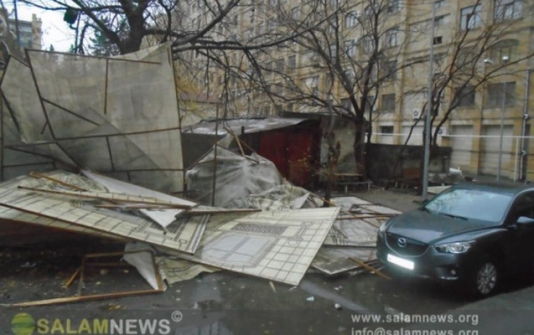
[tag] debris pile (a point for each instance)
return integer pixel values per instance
(117, 142)
(174, 239)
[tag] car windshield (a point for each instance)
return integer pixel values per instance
(470, 204)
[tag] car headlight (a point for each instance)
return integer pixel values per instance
(454, 248)
(383, 227)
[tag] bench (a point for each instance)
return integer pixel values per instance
(351, 179)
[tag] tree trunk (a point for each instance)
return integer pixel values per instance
(359, 149)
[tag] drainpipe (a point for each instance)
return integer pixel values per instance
(524, 126)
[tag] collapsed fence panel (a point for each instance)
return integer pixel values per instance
(118, 116)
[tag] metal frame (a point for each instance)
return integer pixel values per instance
(80, 272)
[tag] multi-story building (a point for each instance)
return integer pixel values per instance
(310, 55)
(30, 32)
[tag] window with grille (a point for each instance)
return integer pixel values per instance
(386, 130)
(351, 19)
(392, 37)
(394, 6)
(471, 18)
(508, 9)
(350, 47)
(368, 44)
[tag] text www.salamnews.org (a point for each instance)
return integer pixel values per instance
(471, 319)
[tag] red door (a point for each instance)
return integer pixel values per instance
(273, 147)
(300, 159)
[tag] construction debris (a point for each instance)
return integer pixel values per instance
(95, 113)
(275, 245)
(159, 287)
(278, 245)
(85, 114)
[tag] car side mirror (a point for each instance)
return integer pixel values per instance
(525, 220)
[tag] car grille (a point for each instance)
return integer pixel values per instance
(412, 248)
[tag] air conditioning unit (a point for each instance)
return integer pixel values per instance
(416, 113)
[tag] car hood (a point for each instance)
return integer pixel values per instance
(426, 227)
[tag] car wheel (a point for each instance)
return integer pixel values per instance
(485, 278)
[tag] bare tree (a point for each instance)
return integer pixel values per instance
(478, 54)
(341, 56)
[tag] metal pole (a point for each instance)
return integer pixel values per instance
(215, 148)
(17, 30)
(502, 132)
(522, 159)
(429, 107)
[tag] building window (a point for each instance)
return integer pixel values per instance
(471, 18)
(368, 44)
(248, 33)
(439, 21)
(465, 96)
(466, 58)
(270, 25)
(292, 62)
(350, 47)
(260, 29)
(334, 4)
(499, 91)
(505, 50)
(369, 103)
(346, 104)
(388, 103)
(394, 6)
(351, 19)
(289, 107)
(313, 84)
(439, 3)
(333, 51)
(328, 82)
(280, 64)
(438, 40)
(369, 11)
(508, 9)
(350, 75)
(390, 70)
(386, 130)
(295, 13)
(392, 37)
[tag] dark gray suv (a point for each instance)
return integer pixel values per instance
(473, 234)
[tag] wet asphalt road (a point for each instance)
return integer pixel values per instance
(229, 303)
(223, 302)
